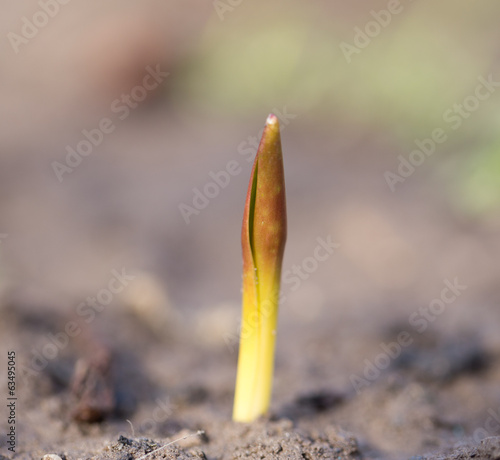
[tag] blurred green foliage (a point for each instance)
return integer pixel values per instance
(478, 187)
(427, 59)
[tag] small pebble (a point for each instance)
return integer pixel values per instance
(51, 457)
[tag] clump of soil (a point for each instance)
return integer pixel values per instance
(263, 439)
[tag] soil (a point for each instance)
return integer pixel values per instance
(386, 349)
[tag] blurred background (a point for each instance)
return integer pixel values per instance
(356, 88)
(349, 112)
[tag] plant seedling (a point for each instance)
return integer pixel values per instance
(263, 237)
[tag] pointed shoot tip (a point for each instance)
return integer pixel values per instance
(271, 119)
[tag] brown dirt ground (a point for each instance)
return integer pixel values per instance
(158, 362)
